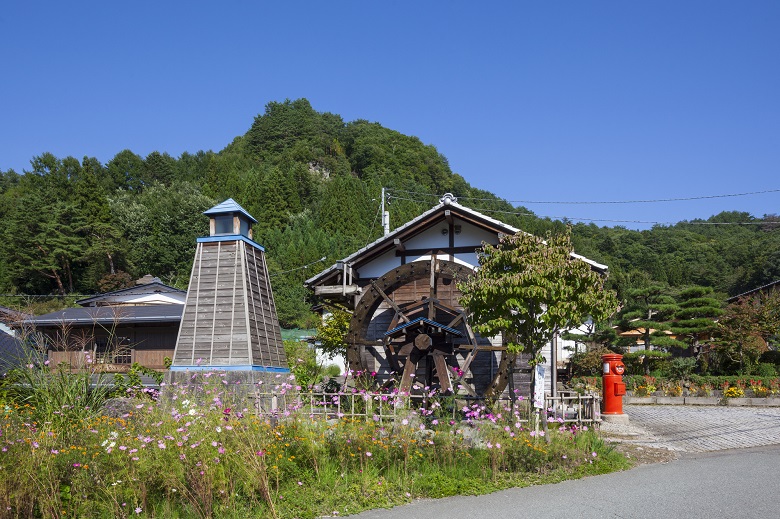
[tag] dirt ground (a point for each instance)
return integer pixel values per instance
(633, 442)
(643, 455)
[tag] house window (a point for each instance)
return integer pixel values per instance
(116, 352)
(223, 224)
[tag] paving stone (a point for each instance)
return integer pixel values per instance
(698, 428)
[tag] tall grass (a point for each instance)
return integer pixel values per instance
(200, 453)
(56, 398)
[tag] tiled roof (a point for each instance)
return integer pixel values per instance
(749, 292)
(155, 287)
(447, 202)
(110, 315)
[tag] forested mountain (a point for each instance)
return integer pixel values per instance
(313, 181)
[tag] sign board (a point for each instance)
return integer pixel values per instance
(539, 386)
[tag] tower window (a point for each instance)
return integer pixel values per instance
(223, 224)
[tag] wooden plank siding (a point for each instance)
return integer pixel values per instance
(230, 317)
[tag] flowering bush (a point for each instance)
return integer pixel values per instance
(672, 389)
(198, 451)
(758, 388)
(734, 392)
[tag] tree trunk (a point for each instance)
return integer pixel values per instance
(111, 263)
(60, 288)
(501, 380)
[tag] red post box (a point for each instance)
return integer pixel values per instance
(612, 383)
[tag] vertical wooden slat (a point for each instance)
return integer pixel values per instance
(247, 301)
(214, 303)
(255, 301)
(237, 263)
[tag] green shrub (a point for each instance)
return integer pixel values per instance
(765, 369)
(681, 368)
(644, 361)
(771, 357)
(588, 363)
(331, 371)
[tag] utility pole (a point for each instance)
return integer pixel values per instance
(385, 216)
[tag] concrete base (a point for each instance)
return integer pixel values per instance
(264, 392)
(615, 418)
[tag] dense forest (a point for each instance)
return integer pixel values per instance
(77, 227)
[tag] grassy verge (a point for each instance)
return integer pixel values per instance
(202, 455)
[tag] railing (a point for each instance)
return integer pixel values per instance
(382, 407)
(572, 407)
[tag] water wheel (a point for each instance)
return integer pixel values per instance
(428, 338)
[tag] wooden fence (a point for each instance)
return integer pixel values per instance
(565, 408)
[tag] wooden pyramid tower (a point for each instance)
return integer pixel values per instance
(229, 320)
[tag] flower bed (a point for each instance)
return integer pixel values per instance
(200, 453)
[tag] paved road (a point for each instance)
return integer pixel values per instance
(737, 483)
(729, 466)
(703, 428)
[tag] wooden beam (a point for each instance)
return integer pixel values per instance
(337, 290)
(441, 250)
(389, 301)
(399, 246)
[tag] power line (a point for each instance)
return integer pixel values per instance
(370, 228)
(604, 220)
(516, 213)
(272, 274)
(593, 202)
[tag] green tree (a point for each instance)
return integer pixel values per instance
(163, 222)
(159, 167)
(103, 239)
(744, 330)
(528, 289)
(42, 226)
(332, 332)
(649, 310)
(696, 316)
(126, 171)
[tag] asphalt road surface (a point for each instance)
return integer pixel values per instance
(743, 483)
(729, 466)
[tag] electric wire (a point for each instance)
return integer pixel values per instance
(584, 219)
(273, 274)
(587, 202)
(371, 227)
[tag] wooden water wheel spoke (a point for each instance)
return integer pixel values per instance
(392, 357)
(442, 372)
(389, 301)
(421, 332)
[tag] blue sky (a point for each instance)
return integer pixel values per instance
(564, 101)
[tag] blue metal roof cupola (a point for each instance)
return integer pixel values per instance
(229, 218)
(229, 320)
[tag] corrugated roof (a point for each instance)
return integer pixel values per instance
(110, 315)
(423, 320)
(227, 207)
